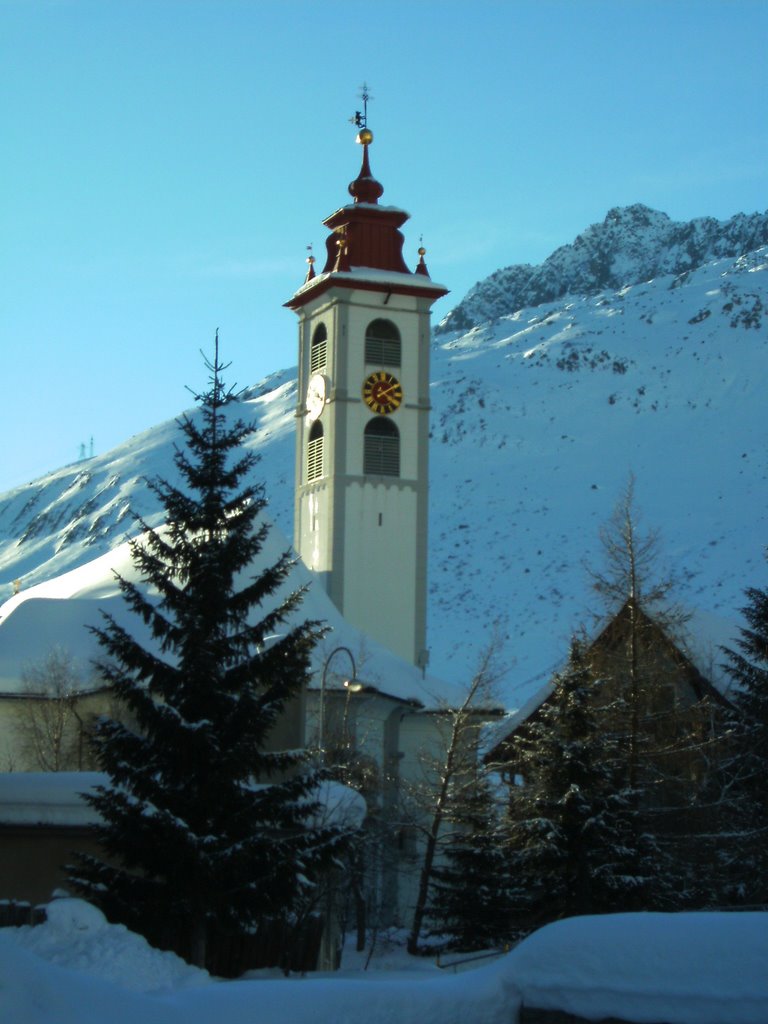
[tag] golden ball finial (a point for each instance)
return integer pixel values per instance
(422, 251)
(365, 137)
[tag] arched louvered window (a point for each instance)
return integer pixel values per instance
(318, 352)
(381, 452)
(382, 344)
(315, 451)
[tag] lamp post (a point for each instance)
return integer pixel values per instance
(351, 686)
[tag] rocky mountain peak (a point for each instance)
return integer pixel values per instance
(631, 245)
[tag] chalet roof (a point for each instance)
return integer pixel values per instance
(703, 687)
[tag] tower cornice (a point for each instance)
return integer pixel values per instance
(386, 282)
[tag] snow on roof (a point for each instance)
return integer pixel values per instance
(47, 798)
(58, 612)
(389, 277)
(370, 206)
(369, 276)
(495, 732)
(339, 804)
(56, 798)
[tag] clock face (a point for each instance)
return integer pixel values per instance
(382, 392)
(317, 393)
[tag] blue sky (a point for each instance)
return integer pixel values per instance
(166, 164)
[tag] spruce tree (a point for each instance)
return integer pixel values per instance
(470, 897)
(572, 845)
(747, 769)
(205, 828)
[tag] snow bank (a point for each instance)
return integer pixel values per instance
(78, 969)
(35, 992)
(371, 998)
(678, 968)
(696, 968)
(78, 936)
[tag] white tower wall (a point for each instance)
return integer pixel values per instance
(362, 528)
(366, 536)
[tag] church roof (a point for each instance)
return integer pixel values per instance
(365, 242)
(58, 612)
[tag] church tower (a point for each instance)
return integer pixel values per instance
(362, 421)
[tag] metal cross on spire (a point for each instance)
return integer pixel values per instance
(360, 120)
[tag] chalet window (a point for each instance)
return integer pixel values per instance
(318, 350)
(382, 344)
(381, 452)
(315, 452)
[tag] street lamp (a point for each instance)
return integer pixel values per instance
(350, 685)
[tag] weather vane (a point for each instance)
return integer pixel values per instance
(360, 120)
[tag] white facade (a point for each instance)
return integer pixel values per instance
(364, 534)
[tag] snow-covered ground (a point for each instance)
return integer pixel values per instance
(676, 968)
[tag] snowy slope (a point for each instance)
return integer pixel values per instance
(78, 512)
(538, 418)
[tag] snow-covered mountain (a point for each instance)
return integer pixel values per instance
(633, 243)
(540, 413)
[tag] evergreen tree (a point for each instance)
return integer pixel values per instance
(205, 828)
(470, 896)
(573, 849)
(747, 666)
